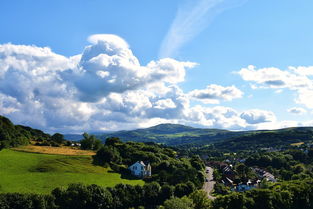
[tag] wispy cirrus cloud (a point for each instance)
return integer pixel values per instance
(192, 18)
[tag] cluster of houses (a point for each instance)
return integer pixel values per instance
(229, 177)
(262, 174)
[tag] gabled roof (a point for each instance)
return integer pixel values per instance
(141, 163)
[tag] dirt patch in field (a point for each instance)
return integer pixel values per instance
(53, 150)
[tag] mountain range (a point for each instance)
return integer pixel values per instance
(180, 135)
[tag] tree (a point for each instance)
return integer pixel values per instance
(111, 141)
(58, 138)
(233, 201)
(26, 201)
(220, 188)
(178, 203)
(79, 196)
(90, 142)
(106, 155)
(200, 199)
(167, 191)
(181, 190)
(151, 193)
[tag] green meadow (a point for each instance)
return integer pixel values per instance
(40, 173)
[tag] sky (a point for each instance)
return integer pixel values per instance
(101, 65)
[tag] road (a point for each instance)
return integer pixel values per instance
(209, 184)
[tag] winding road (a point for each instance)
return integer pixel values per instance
(209, 183)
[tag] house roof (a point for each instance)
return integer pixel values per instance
(141, 163)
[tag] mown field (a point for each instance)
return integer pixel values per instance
(63, 150)
(40, 173)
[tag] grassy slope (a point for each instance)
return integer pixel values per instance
(40, 173)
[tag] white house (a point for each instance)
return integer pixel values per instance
(140, 169)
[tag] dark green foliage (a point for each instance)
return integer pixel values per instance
(220, 188)
(197, 163)
(286, 195)
(183, 189)
(90, 142)
(14, 135)
(35, 134)
(200, 200)
(166, 167)
(152, 192)
(26, 201)
(57, 138)
(286, 165)
(178, 203)
(106, 155)
(167, 191)
(264, 139)
(79, 196)
(233, 201)
(111, 141)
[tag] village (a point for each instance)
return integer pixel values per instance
(234, 175)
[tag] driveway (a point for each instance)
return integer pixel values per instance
(209, 184)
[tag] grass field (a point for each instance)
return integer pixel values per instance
(40, 173)
(297, 144)
(54, 150)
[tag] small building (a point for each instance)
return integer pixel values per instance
(140, 169)
(265, 175)
(228, 172)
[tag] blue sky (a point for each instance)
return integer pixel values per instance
(209, 80)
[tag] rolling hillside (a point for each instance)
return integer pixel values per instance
(180, 135)
(14, 135)
(172, 134)
(40, 173)
(265, 139)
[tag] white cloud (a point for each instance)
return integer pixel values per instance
(256, 116)
(103, 88)
(106, 88)
(275, 78)
(297, 79)
(214, 93)
(164, 104)
(217, 117)
(305, 97)
(108, 65)
(191, 18)
(297, 110)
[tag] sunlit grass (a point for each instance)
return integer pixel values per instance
(40, 173)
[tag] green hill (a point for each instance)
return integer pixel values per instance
(14, 135)
(185, 136)
(40, 173)
(265, 139)
(172, 134)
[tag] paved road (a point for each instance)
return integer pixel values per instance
(209, 185)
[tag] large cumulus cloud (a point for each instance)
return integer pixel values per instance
(105, 88)
(108, 65)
